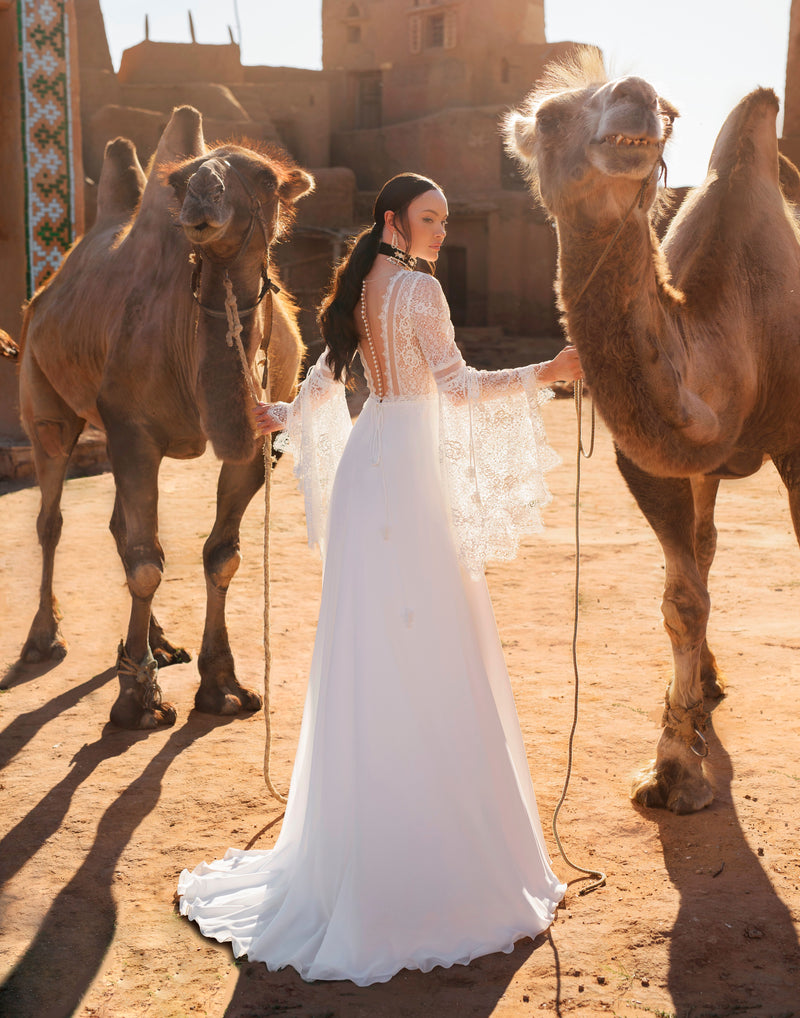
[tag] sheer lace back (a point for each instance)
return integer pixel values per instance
(390, 350)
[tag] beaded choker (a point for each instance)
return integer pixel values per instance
(394, 254)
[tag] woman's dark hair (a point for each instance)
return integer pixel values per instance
(336, 313)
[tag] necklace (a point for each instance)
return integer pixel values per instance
(365, 320)
(394, 254)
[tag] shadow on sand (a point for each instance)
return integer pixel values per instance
(62, 961)
(733, 948)
(469, 991)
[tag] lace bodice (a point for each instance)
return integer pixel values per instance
(414, 341)
(492, 446)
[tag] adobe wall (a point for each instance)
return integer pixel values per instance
(12, 218)
(790, 142)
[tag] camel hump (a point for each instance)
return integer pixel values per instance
(122, 181)
(181, 139)
(747, 145)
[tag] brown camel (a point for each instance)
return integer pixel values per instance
(690, 351)
(119, 339)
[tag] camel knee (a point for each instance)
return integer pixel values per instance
(686, 618)
(221, 563)
(144, 579)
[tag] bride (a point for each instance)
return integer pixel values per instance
(411, 836)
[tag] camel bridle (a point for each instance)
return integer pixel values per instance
(232, 312)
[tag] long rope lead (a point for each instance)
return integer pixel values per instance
(581, 452)
(234, 336)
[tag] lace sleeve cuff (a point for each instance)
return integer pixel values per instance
(317, 425)
(494, 456)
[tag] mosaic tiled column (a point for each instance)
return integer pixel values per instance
(50, 134)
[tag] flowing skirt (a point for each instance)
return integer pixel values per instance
(411, 836)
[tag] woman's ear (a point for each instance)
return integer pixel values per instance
(388, 219)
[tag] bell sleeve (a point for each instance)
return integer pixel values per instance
(316, 428)
(493, 450)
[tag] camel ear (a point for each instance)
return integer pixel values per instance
(667, 108)
(519, 132)
(295, 184)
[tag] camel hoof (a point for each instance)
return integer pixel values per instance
(675, 789)
(129, 714)
(227, 700)
(166, 655)
(37, 650)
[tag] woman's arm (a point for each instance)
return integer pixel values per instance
(436, 337)
(319, 382)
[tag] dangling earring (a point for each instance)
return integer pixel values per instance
(395, 254)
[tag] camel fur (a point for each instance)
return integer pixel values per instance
(689, 347)
(116, 339)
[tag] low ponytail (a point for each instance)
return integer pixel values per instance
(336, 315)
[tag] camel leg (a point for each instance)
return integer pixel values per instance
(136, 460)
(53, 429)
(704, 490)
(675, 780)
(220, 691)
(788, 467)
(162, 649)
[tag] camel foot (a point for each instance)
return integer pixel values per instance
(128, 713)
(139, 706)
(227, 698)
(165, 652)
(673, 786)
(43, 648)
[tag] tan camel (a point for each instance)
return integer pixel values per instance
(697, 375)
(118, 339)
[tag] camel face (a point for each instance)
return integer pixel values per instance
(207, 209)
(223, 194)
(587, 144)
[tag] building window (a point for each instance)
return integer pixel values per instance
(505, 71)
(434, 31)
(353, 11)
(414, 34)
(354, 33)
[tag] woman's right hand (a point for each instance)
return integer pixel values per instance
(266, 421)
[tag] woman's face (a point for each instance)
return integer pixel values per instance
(427, 224)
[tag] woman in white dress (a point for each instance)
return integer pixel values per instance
(411, 836)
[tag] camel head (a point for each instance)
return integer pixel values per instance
(223, 193)
(587, 143)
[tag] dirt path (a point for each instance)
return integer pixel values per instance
(700, 913)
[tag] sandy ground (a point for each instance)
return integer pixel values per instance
(699, 916)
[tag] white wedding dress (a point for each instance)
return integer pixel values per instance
(411, 836)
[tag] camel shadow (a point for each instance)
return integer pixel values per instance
(470, 991)
(733, 947)
(62, 961)
(25, 727)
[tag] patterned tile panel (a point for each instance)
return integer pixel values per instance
(50, 134)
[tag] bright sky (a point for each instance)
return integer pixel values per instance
(702, 55)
